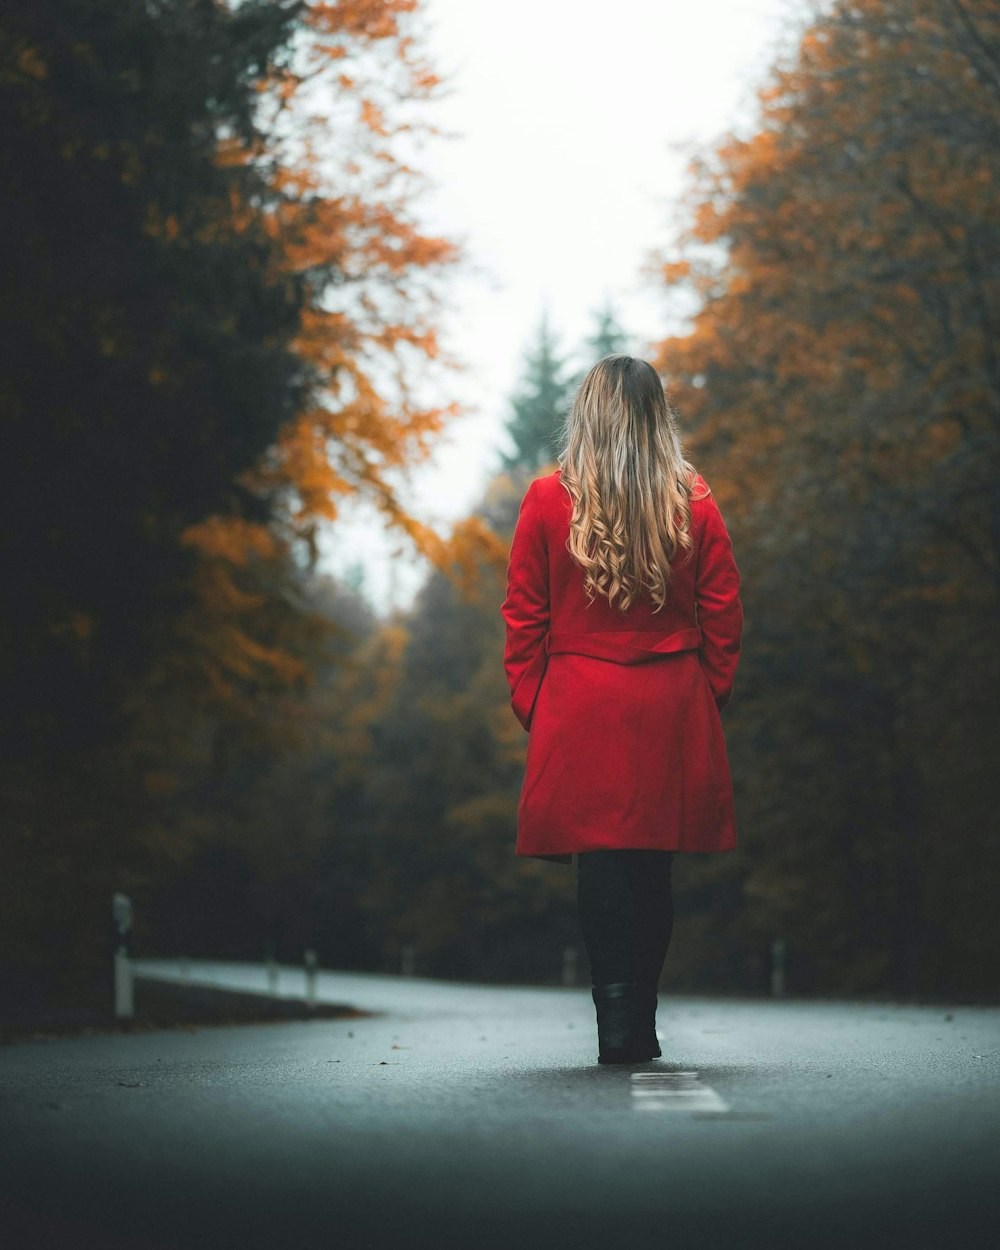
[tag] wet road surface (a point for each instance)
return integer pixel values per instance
(471, 1115)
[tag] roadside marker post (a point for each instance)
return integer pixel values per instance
(121, 915)
(407, 959)
(271, 970)
(779, 964)
(311, 965)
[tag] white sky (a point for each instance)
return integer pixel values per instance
(572, 117)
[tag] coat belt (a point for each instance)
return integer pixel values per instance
(623, 646)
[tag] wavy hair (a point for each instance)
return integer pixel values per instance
(631, 486)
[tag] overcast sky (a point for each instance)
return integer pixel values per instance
(572, 120)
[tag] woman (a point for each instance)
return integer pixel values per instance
(624, 626)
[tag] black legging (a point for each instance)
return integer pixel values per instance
(626, 909)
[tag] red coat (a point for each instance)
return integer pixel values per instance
(626, 746)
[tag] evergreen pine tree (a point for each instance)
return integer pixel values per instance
(608, 338)
(538, 404)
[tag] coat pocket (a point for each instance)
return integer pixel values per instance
(526, 691)
(720, 700)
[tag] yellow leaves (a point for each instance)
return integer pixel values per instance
(365, 685)
(131, 169)
(75, 624)
(304, 461)
(286, 84)
(231, 658)
(233, 633)
(770, 92)
(426, 540)
(373, 117)
(156, 224)
(473, 547)
(394, 640)
(367, 19)
(675, 271)
(299, 183)
(245, 656)
(708, 224)
(396, 246)
(220, 593)
(30, 62)
(424, 339)
(814, 49)
(232, 153)
(426, 81)
(230, 538)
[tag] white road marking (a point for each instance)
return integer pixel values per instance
(674, 1091)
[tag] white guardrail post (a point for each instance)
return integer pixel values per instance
(311, 963)
(121, 916)
(271, 970)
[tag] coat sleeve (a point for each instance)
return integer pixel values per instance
(720, 612)
(526, 607)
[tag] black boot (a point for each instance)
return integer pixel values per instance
(647, 1020)
(622, 1032)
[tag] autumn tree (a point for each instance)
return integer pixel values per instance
(284, 858)
(438, 812)
(219, 309)
(840, 387)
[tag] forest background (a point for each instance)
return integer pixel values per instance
(220, 320)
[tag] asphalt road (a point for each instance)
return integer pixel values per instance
(476, 1116)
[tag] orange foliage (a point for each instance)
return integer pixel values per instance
(342, 213)
(830, 250)
(342, 217)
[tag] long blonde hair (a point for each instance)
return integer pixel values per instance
(631, 487)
